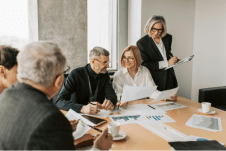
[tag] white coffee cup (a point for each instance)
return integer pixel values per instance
(113, 128)
(206, 107)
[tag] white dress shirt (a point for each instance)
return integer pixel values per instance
(142, 78)
(161, 47)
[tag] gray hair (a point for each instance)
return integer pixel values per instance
(97, 51)
(153, 20)
(40, 62)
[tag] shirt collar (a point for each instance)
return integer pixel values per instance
(91, 72)
(125, 70)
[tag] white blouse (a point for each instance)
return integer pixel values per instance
(142, 78)
(161, 47)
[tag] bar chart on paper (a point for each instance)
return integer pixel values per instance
(141, 118)
(128, 118)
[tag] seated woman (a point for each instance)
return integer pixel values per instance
(132, 73)
(8, 66)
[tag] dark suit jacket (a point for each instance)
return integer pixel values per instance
(75, 91)
(151, 56)
(29, 121)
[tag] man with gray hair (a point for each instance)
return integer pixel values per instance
(88, 89)
(29, 121)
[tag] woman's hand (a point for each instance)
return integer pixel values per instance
(172, 98)
(123, 105)
(172, 61)
(74, 124)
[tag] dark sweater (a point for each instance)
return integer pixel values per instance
(75, 91)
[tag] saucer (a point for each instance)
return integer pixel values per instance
(122, 135)
(210, 112)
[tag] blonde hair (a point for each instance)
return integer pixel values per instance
(153, 20)
(136, 52)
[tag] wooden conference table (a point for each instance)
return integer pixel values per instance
(140, 138)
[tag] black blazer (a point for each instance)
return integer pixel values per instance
(29, 121)
(75, 91)
(151, 56)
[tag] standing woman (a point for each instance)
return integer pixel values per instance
(155, 49)
(8, 66)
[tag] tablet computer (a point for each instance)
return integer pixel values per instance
(95, 120)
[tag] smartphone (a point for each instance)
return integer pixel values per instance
(95, 120)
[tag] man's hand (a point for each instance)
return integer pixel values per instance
(172, 61)
(107, 105)
(93, 108)
(103, 141)
(123, 105)
(74, 124)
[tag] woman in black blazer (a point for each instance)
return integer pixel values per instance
(155, 49)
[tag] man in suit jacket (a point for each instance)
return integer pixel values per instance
(86, 88)
(29, 121)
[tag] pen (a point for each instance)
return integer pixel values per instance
(84, 124)
(119, 101)
(94, 104)
(151, 107)
(95, 128)
(172, 56)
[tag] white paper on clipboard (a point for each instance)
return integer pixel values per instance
(181, 62)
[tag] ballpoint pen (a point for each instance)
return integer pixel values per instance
(119, 101)
(151, 107)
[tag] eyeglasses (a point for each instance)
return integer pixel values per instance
(67, 69)
(129, 59)
(104, 63)
(155, 29)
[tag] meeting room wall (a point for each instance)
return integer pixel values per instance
(209, 45)
(64, 22)
(180, 18)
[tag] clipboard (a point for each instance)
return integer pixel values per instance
(181, 62)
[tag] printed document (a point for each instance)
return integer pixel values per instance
(131, 93)
(205, 122)
(167, 106)
(166, 94)
(81, 128)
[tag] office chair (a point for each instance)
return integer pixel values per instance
(215, 95)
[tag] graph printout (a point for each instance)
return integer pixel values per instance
(141, 118)
(205, 122)
(167, 106)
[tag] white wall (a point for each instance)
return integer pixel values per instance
(134, 21)
(180, 17)
(209, 45)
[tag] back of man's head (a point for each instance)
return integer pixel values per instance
(40, 62)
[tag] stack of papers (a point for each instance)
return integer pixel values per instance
(167, 106)
(205, 122)
(81, 128)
